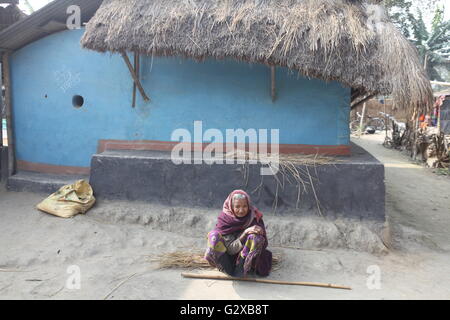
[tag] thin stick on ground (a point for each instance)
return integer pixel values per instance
(5, 287)
(297, 248)
(55, 293)
(14, 270)
(119, 285)
(311, 284)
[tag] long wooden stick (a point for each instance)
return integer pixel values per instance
(119, 285)
(9, 115)
(312, 284)
(133, 105)
(273, 87)
(354, 105)
(441, 83)
(361, 122)
(1, 115)
(134, 76)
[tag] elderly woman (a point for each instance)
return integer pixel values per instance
(238, 243)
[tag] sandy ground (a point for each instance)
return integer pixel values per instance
(41, 253)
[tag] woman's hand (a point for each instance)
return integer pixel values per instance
(251, 230)
(254, 230)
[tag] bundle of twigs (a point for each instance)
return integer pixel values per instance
(194, 260)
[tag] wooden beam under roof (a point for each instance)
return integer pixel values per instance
(134, 76)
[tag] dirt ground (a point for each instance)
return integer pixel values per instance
(112, 257)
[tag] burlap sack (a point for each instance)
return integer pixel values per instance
(70, 200)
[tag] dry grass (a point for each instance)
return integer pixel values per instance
(281, 159)
(293, 169)
(353, 42)
(195, 260)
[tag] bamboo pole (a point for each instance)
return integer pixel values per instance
(361, 123)
(134, 76)
(425, 62)
(133, 105)
(8, 113)
(439, 118)
(385, 118)
(273, 84)
(354, 105)
(312, 284)
(138, 66)
(440, 83)
(416, 132)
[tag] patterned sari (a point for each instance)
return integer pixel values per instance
(254, 252)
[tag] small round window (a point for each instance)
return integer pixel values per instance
(77, 101)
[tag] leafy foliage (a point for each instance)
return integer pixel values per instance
(433, 44)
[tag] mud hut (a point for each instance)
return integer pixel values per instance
(155, 67)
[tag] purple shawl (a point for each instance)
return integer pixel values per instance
(228, 222)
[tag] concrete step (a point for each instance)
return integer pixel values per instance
(40, 182)
(349, 187)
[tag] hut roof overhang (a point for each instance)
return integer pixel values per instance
(351, 41)
(45, 21)
(10, 14)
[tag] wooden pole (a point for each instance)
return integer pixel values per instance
(439, 118)
(8, 113)
(415, 125)
(3, 173)
(385, 118)
(273, 84)
(133, 105)
(425, 60)
(353, 106)
(362, 119)
(1, 112)
(441, 83)
(134, 76)
(138, 66)
(312, 284)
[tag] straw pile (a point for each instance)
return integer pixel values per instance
(195, 260)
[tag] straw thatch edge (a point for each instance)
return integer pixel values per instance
(352, 42)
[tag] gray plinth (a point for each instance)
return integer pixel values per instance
(351, 186)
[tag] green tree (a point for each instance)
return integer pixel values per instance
(399, 12)
(433, 45)
(30, 8)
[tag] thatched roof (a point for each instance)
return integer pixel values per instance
(10, 15)
(351, 41)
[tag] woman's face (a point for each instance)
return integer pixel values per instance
(240, 207)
